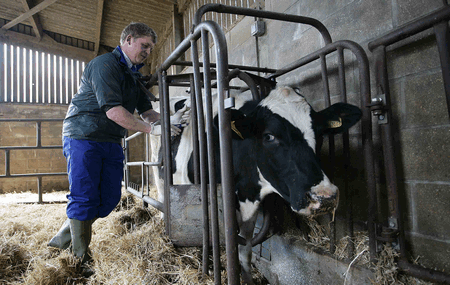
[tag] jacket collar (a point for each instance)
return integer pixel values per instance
(119, 55)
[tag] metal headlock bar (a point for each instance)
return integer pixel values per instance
(201, 119)
(381, 107)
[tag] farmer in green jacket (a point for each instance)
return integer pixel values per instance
(96, 121)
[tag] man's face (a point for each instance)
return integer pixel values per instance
(138, 49)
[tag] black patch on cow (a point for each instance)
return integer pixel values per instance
(175, 143)
(179, 105)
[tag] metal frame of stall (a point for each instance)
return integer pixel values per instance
(203, 142)
(393, 232)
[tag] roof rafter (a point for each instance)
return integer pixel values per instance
(39, 7)
(98, 24)
(35, 22)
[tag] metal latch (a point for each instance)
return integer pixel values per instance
(378, 108)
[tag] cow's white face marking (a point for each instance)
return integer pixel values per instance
(266, 187)
(248, 209)
(294, 108)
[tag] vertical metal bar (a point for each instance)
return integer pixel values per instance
(168, 177)
(211, 158)
(3, 67)
(382, 81)
(125, 168)
(39, 186)
(366, 130)
(38, 134)
(348, 197)
(226, 158)
(331, 144)
(203, 154)
(147, 167)
(194, 122)
(7, 163)
(443, 39)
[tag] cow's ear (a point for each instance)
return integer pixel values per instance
(241, 125)
(337, 118)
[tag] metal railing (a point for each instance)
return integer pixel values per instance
(142, 192)
(203, 154)
(382, 108)
(38, 146)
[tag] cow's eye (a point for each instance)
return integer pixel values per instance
(268, 137)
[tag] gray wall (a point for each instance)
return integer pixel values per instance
(421, 121)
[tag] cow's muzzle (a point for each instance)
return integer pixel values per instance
(320, 200)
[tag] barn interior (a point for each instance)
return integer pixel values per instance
(390, 58)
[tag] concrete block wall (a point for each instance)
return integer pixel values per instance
(420, 112)
(32, 161)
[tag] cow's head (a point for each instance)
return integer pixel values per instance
(283, 129)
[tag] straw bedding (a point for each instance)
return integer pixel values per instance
(386, 270)
(128, 247)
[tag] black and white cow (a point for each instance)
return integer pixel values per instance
(274, 143)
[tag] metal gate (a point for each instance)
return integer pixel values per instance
(381, 107)
(202, 139)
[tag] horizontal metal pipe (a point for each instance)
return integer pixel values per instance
(412, 28)
(158, 205)
(219, 8)
(31, 120)
(141, 163)
(32, 175)
(231, 66)
(133, 136)
(354, 47)
(29, 147)
(423, 273)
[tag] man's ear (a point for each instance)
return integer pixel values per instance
(336, 119)
(241, 125)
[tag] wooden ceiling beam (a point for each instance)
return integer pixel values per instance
(39, 7)
(98, 24)
(46, 44)
(35, 22)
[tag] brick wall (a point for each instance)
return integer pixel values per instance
(32, 161)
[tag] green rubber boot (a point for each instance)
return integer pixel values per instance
(81, 232)
(62, 238)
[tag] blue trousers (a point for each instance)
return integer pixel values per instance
(95, 172)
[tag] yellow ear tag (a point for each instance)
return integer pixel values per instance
(335, 124)
(233, 127)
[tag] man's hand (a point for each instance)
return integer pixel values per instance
(181, 117)
(156, 129)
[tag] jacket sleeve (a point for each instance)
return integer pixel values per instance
(144, 103)
(105, 80)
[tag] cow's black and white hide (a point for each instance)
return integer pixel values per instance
(274, 143)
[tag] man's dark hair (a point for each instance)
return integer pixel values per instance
(137, 30)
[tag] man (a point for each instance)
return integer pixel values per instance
(96, 121)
